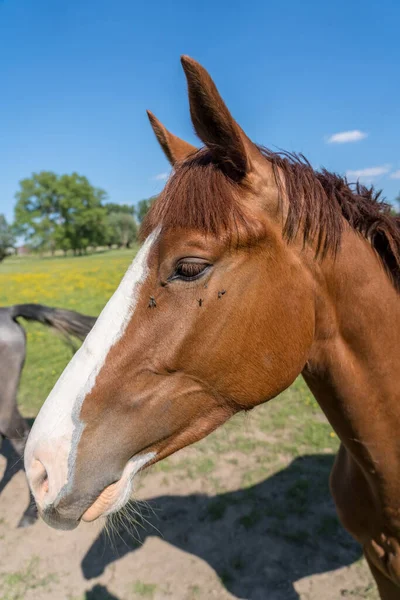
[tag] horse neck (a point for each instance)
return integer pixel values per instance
(354, 365)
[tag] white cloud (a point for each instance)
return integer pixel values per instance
(344, 137)
(161, 176)
(369, 172)
(395, 174)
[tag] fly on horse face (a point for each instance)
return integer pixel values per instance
(254, 268)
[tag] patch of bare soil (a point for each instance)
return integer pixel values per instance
(206, 532)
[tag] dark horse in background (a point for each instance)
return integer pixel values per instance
(13, 426)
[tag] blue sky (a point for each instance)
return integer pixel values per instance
(76, 77)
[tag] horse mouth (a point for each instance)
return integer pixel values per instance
(111, 499)
(117, 494)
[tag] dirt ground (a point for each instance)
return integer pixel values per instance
(244, 514)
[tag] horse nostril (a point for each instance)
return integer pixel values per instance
(39, 480)
(45, 484)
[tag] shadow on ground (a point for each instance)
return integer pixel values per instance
(261, 538)
(14, 464)
(99, 592)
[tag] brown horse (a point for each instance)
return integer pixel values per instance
(255, 268)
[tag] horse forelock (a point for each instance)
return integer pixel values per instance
(200, 196)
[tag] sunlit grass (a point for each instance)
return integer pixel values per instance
(79, 283)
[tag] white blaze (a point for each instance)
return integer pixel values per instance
(57, 428)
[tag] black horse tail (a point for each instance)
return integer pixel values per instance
(66, 322)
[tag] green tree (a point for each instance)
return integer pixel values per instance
(112, 207)
(7, 239)
(122, 229)
(60, 211)
(36, 210)
(143, 207)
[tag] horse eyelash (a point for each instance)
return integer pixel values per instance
(198, 275)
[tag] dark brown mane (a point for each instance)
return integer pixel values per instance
(319, 199)
(201, 196)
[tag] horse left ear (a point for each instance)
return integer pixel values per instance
(174, 148)
(214, 124)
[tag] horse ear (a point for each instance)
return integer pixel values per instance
(213, 122)
(174, 148)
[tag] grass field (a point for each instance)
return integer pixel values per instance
(266, 473)
(79, 283)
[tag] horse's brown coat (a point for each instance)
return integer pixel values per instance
(309, 270)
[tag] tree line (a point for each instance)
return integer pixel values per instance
(65, 212)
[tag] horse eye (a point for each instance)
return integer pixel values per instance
(190, 270)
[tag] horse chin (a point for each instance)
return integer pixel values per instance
(54, 519)
(117, 494)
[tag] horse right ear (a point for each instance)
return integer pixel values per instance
(174, 148)
(214, 124)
